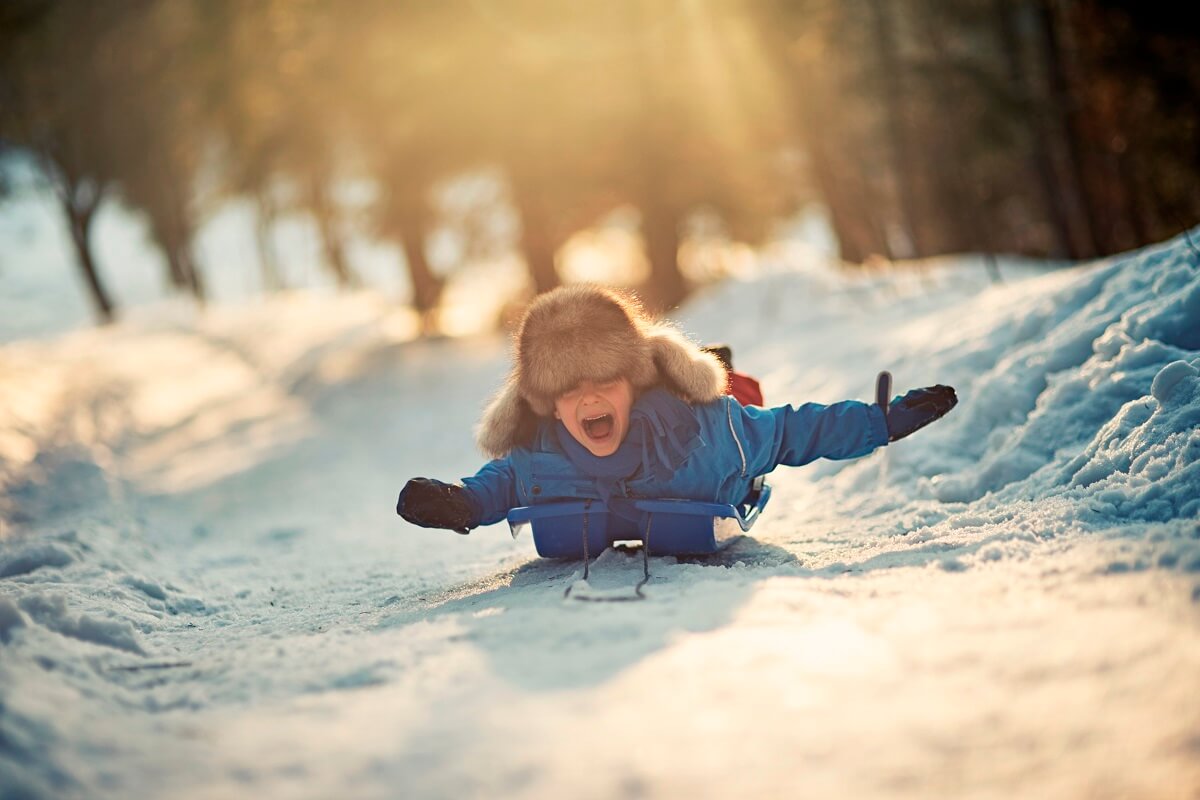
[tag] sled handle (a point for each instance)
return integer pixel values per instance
(883, 391)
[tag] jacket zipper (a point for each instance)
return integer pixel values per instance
(729, 416)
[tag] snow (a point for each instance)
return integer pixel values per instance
(204, 590)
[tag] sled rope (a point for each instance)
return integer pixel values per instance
(645, 558)
(587, 504)
(638, 594)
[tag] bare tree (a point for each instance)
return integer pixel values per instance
(55, 87)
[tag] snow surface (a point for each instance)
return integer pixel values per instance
(204, 591)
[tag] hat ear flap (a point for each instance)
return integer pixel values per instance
(508, 422)
(695, 375)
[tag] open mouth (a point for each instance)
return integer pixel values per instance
(599, 427)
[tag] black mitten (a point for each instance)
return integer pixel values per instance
(917, 409)
(433, 504)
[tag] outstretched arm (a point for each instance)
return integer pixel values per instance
(796, 435)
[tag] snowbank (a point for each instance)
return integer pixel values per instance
(1096, 399)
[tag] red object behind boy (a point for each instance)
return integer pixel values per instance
(744, 389)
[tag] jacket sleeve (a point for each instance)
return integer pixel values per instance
(795, 435)
(492, 491)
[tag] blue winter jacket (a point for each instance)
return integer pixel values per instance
(735, 445)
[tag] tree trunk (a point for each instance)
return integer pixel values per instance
(321, 206)
(540, 257)
(1085, 240)
(173, 231)
(1039, 164)
(182, 232)
(80, 222)
(904, 163)
(537, 241)
(180, 257)
(851, 229)
(1132, 171)
(426, 286)
(666, 287)
(268, 264)
(857, 229)
(177, 274)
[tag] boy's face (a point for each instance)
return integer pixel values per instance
(597, 414)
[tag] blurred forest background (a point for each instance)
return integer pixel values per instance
(1059, 128)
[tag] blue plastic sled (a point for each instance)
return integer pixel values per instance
(675, 527)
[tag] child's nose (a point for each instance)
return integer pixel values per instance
(591, 398)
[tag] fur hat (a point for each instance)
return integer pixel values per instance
(578, 333)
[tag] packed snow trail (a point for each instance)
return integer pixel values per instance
(204, 591)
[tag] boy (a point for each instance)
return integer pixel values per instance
(603, 402)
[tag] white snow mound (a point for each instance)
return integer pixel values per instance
(1098, 401)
